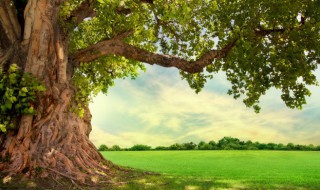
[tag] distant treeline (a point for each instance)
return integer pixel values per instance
(226, 143)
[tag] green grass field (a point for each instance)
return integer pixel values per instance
(228, 169)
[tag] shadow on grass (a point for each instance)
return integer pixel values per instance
(159, 182)
(129, 179)
(153, 181)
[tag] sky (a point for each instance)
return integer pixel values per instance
(160, 109)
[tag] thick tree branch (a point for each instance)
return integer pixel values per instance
(260, 31)
(10, 31)
(9, 21)
(264, 32)
(84, 10)
(126, 11)
(7, 54)
(117, 47)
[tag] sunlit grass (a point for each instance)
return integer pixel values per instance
(228, 169)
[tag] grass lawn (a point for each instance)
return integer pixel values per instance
(223, 169)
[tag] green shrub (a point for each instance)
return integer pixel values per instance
(103, 147)
(18, 94)
(139, 147)
(115, 148)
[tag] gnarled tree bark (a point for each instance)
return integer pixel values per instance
(54, 140)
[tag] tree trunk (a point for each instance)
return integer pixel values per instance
(54, 141)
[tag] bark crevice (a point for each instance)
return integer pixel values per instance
(55, 140)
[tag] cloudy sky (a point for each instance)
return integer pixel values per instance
(160, 109)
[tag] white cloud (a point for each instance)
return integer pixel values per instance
(128, 139)
(163, 110)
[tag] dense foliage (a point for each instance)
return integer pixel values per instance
(226, 143)
(18, 93)
(272, 43)
(139, 147)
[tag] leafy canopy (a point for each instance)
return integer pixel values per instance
(277, 42)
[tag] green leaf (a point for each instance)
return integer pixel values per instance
(24, 89)
(3, 128)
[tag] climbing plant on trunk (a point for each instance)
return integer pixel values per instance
(77, 48)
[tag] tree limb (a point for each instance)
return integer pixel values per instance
(84, 10)
(117, 47)
(260, 31)
(264, 32)
(7, 54)
(10, 31)
(9, 21)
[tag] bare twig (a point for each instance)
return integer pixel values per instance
(62, 174)
(56, 181)
(72, 179)
(75, 184)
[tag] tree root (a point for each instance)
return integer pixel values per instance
(72, 179)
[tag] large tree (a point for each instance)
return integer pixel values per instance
(76, 48)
